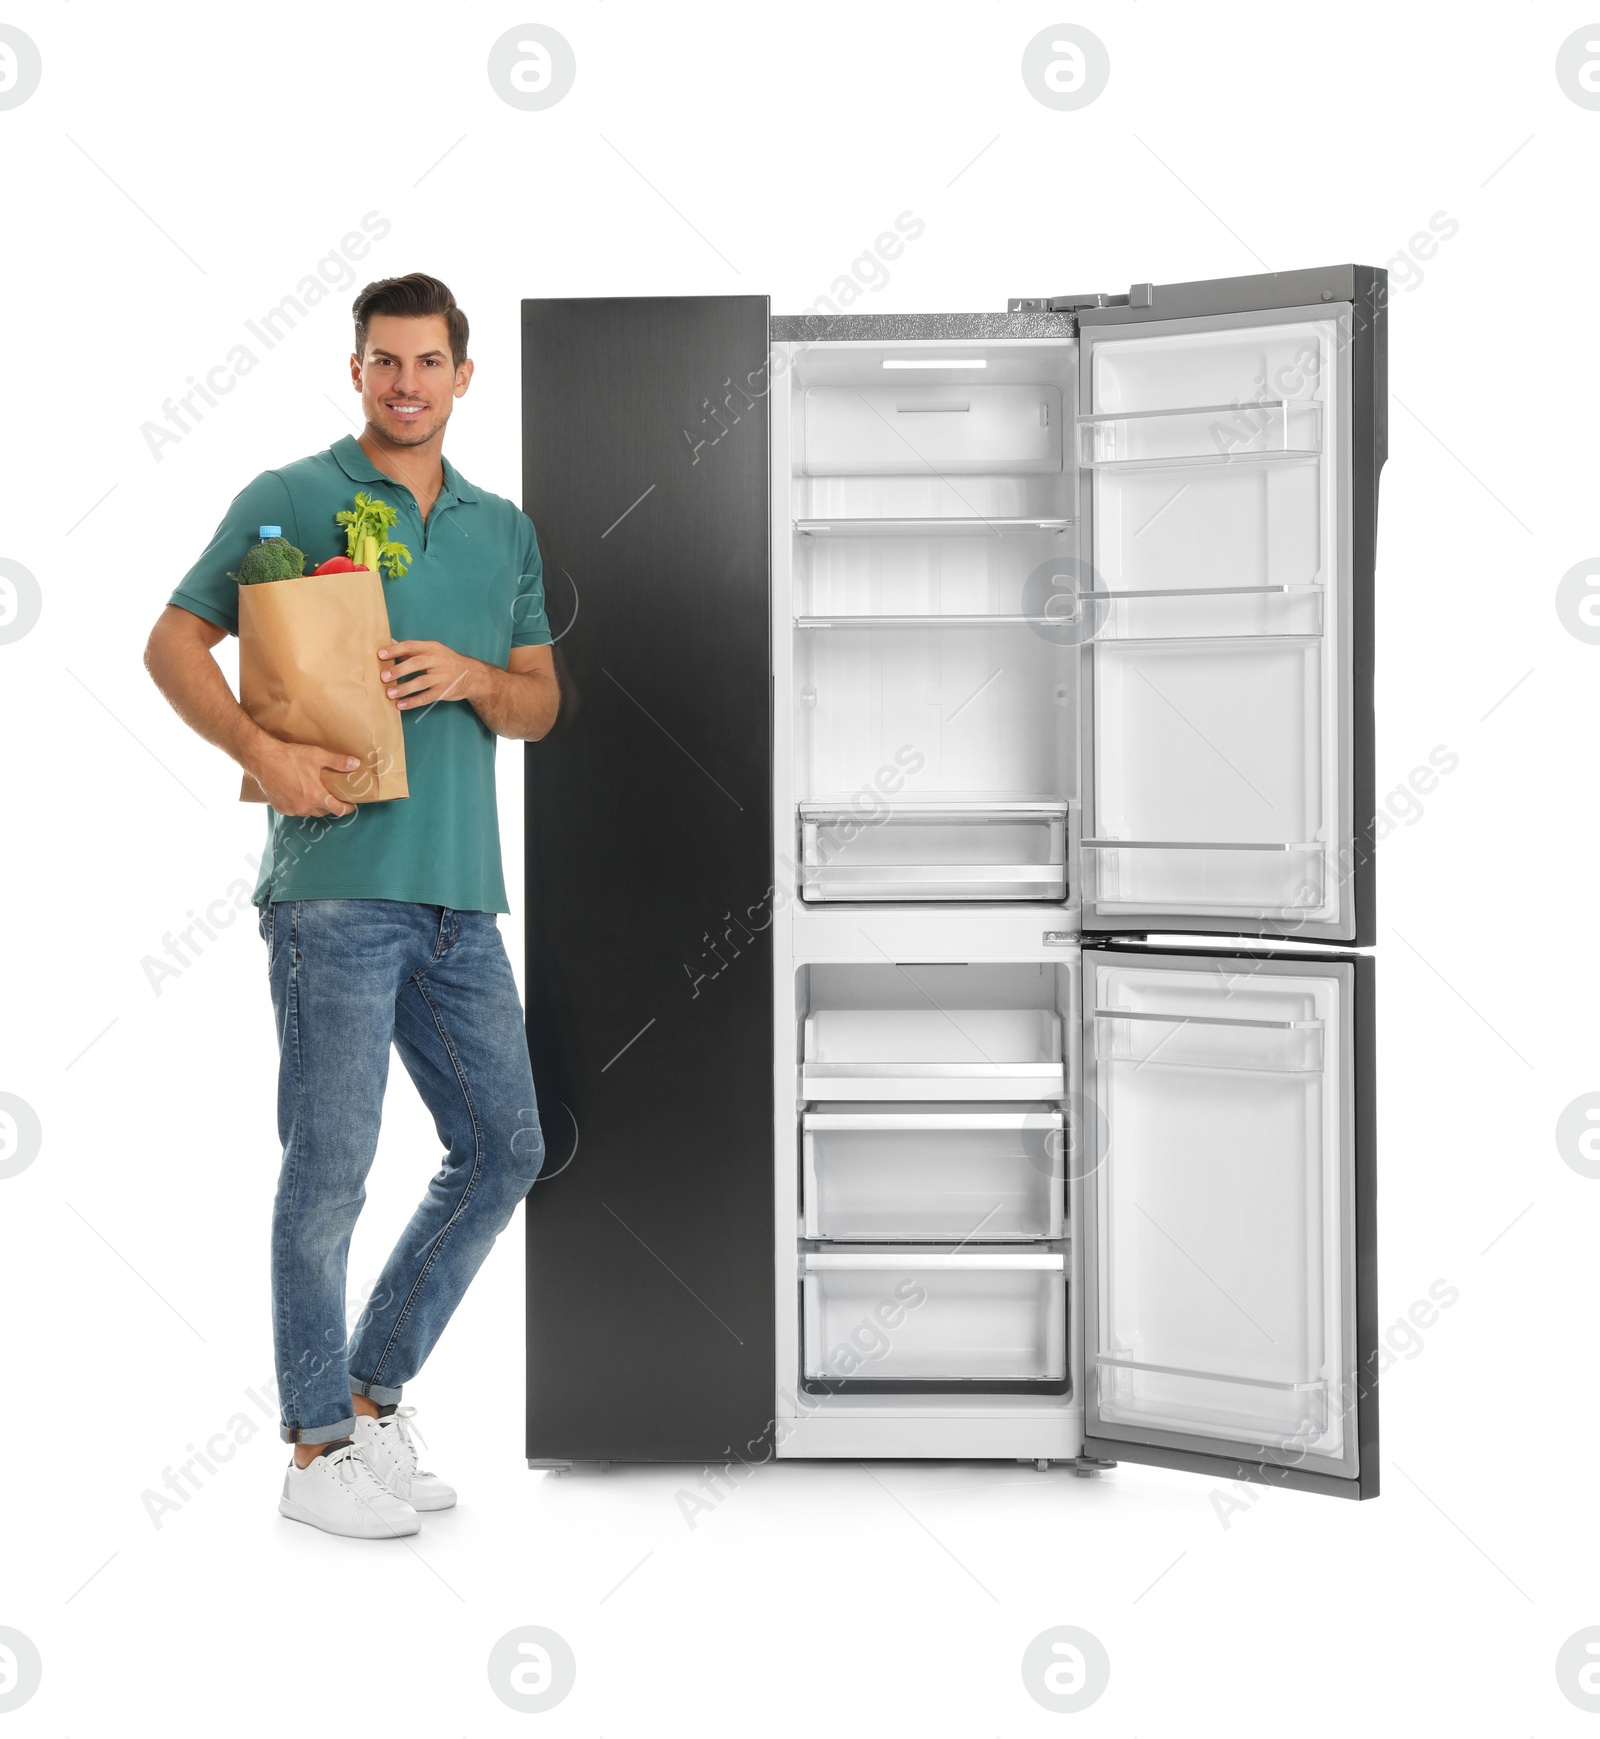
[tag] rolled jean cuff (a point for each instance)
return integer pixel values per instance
(384, 1396)
(318, 1433)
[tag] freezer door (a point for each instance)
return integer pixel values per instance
(1229, 441)
(1230, 1279)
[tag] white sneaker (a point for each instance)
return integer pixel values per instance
(393, 1456)
(339, 1493)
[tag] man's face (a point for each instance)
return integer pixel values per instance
(406, 379)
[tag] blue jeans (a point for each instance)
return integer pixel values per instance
(348, 978)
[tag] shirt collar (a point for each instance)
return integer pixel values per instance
(351, 458)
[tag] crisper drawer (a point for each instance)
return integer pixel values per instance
(887, 1316)
(933, 1174)
(889, 431)
(1015, 851)
(932, 1053)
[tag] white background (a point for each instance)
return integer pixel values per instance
(176, 173)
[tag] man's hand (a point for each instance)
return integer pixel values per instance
(519, 701)
(420, 672)
(291, 776)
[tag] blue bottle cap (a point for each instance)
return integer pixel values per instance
(272, 531)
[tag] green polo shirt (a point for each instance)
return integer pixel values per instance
(476, 584)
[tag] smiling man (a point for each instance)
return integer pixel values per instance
(380, 921)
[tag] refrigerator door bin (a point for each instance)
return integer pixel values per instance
(1200, 613)
(933, 1174)
(948, 851)
(932, 1053)
(917, 428)
(898, 1318)
(1247, 880)
(1249, 1408)
(1265, 432)
(1173, 1041)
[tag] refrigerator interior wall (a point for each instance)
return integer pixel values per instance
(1216, 706)
(1222, 1274)
(932, 493)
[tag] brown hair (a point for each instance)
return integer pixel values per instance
(412, 297)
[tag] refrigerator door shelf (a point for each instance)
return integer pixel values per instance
(1243, 879)
(934, 851)
(922, 429)
(897, 1317)
(1274, 1414)
(918, 1176)
(1199, 613)
(1262, 433)
(944, 525)
(1146, 1039)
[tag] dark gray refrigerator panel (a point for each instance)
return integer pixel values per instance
(649, 1253)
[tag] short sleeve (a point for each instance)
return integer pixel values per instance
(529, 625)
(207, 590)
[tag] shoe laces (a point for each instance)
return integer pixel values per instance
(403, 1421)
(347, 1463)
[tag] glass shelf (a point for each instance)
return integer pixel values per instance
(948, 525)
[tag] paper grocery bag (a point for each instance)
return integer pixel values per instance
(309, 673)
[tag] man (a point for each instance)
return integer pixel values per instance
(380, 920)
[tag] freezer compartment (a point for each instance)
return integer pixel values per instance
(933, 1173)
(949, 851)
(947, 1033)
(1264, 432)
(892, 1316)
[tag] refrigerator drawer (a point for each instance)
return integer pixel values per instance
(931, 1174)
(934, 852)
(927, 430)
(932, 1053)
(886, 1316)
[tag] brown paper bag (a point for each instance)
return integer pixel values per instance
(309, 673)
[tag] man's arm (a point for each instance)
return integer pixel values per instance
(178, 657)
(520, 701)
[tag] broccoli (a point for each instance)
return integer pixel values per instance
(274, 558)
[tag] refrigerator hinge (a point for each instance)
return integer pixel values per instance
(1138, 296)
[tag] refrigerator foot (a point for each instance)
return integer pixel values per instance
(1087, 1466)
(540, 1466)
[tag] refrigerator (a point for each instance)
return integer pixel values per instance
(949, 886)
